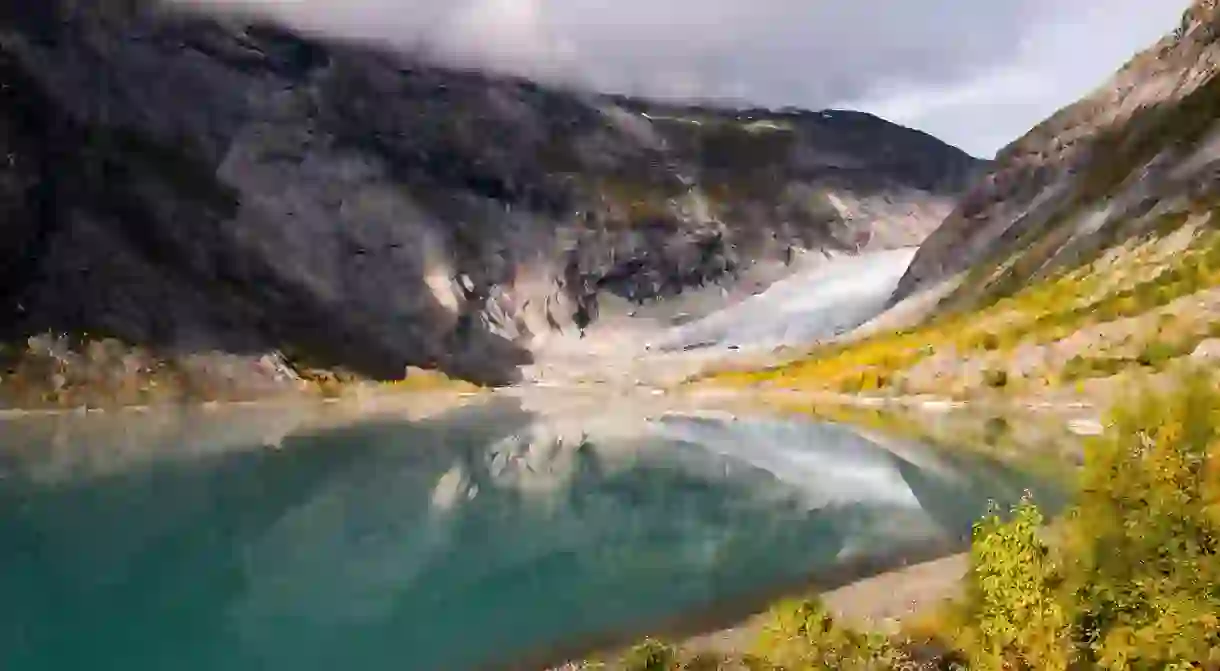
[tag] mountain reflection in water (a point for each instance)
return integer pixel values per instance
(255, 539)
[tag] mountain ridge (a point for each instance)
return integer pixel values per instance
(197, 187)
(1085, 261)
(1056, 166)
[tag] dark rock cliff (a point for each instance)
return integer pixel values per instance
(191, 184)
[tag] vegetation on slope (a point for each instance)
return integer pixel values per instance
(50, 372)
(1083, 179)
(1117, 156)
(1144, 306)
(1127, 579)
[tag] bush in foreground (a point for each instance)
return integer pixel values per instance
(1129, 578)
(804, 635)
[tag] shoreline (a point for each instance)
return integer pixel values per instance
(923, 403)
(726, 626)
(1079, 414)
(874, 603)
(277, 400)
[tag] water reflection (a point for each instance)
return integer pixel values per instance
(266, 541)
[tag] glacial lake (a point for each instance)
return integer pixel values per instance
(477, 538)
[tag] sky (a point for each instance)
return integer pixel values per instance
(975, 73)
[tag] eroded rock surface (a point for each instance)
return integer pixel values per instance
(193, 185)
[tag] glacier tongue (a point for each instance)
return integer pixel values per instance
(834, 297)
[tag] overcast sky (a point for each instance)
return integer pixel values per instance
(976, 73)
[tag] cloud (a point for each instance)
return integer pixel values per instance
(974, 73)
(1073, 50)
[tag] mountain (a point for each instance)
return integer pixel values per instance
(1102, 171)
(1086, 259)
(211, 191)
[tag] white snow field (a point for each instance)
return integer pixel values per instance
(833, 298)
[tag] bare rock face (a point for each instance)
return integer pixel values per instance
(191, 184)
(1140, 148)
(1208, 351)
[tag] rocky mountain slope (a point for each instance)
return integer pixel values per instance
(195, 185)
(1085, 263)
(1113, 166)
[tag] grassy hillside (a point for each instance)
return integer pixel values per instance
(1143, 306)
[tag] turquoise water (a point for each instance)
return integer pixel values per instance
(466, 541)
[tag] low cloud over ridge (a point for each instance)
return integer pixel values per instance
(977, 74)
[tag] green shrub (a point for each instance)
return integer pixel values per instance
(1081, 367)
(802, 635)
(852, 384)
(1134, 579)
(651, 655)
(1156, 354)
(996, 379)
(1013, 619)
(1145, 577)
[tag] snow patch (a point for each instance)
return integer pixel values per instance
(829, 300)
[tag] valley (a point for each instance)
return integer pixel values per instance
(318, 353)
